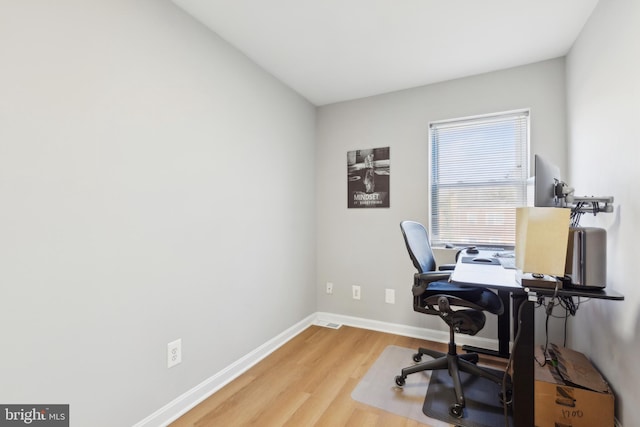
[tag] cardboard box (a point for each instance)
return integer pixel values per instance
(570, 392)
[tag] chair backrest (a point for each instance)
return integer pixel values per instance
(417, 241)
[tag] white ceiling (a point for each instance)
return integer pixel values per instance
(336, 50)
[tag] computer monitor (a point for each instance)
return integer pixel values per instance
(547, 184)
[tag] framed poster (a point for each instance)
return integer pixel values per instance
(368, 178)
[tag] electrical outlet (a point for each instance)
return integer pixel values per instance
(329, 288)
(174, 353)
(390, 296)
(356, 291)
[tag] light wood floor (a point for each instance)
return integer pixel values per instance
(308, 382)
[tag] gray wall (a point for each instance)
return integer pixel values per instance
(143, 161)
(603, 87)
(155, 185)
(365, 247)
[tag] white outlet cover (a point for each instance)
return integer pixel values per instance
(174, 353)
(390, 296)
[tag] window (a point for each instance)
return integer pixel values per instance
(478, 176)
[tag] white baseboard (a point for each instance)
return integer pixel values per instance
(406, 330)
(188, 400)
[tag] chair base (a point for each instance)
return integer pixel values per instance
(454, 363)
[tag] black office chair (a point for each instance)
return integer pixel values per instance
(433, 294)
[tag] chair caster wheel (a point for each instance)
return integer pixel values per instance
(400, 380)
(417, 357)
(456, 410)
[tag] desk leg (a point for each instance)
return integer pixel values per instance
(523, 369)
(504, 330)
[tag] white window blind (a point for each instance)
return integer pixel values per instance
(479, 170)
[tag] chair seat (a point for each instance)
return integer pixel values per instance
(442, 287)
(478, 298)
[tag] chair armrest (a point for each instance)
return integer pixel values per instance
(421, 280)
(431, 276)
(447, 267)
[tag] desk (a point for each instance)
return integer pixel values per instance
(504, 280)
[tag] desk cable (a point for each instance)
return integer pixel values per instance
(576, 214)
(505, 402)
(516, 339)
(570, 307)
(548, 311)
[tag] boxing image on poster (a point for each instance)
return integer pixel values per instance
(368, 178)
